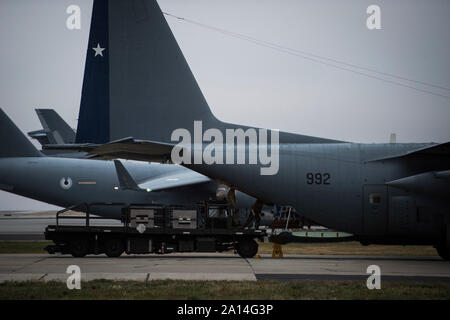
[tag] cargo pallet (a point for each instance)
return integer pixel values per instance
(154, 229)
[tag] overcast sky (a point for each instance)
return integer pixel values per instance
(42, 64)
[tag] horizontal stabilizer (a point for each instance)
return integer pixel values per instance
(127, 148)
(186, 178)
(41, 136)
(86, 147)
(176, 179)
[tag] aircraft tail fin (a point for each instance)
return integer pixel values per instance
(13, 143)
(152, 89)
(150, 80)
(125, 179)
(137, 82)
(55, 129)
(52, 122)
(93, 117)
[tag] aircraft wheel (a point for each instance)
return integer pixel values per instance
(443, 251)
(78, 248)
(114, 248)
(247, 248)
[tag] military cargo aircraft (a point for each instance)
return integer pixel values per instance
(66, 181)
(391, 193)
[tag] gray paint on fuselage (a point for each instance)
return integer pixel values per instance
(339, 204)
(40, 178)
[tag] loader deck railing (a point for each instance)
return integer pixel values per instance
(86, 209)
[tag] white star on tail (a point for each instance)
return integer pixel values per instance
(98, 50)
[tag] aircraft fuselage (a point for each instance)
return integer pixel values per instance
(65, 182)
(344, 186)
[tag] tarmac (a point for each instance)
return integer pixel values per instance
(199, 266)
(215, 266)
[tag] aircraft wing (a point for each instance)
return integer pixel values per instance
(432, 183)
(439, 149)
(435, 183)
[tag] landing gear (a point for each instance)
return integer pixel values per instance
(78, 248)
(247, 248)
(114, 248)
(255, 213)
(443, 248)
(443, 251)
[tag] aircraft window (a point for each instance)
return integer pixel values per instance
(375, 198)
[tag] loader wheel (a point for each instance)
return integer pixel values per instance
(78, 248)
(114, 248)
(247, 248)
(443, 251)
